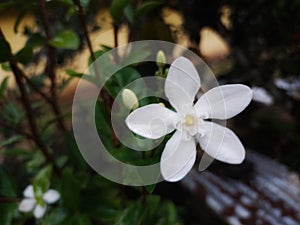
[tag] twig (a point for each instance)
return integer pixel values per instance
(29, 112)
(51, 64)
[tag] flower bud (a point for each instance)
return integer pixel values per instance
(160, 59)
(129, 99)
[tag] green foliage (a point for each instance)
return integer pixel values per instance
(154, 211)
(41, 183)
(117, 8)
(66, 39)
(24, 56)
(5, 50)
(3, 86)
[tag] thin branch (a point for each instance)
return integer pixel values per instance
(51, 64)
(29, 112)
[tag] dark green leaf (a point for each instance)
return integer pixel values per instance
(7, 188)
(66, 39)
(3, 86)
(82, 220)
(117, 8)
(5, 50)
(146, 7)
(73, 73)
(24, 55)
(129, 13)
(75, 156)
(57, 216)
(150, 188)
(120, 79)
(19, 19)
(70, 191)
(7, 212)
(35, 40)
(11, 140)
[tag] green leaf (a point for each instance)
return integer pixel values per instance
(5, 50)
(150, 188)
(57, 216)
(7, 187)
(70, 191)
(73, 73)
(11, 140)
(24, 56)
(66, 39)
(3, 86)
(82, 220)
(35, 40)
(117, 8)
(13, 113)
(5, 66)
(41, 183)
(120, 79)
(7, 213)
(19, 19)
(129, 13)
(146, 7)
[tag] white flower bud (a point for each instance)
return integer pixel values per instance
(129, 99)
(160, 59)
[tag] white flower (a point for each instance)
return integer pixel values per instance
(29, 203)
(261, 95)
(154, 121)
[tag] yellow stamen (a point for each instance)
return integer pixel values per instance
(189, 120)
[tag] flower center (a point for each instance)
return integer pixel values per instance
(189, 120)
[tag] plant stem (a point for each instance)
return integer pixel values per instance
(29, 112)
(51, 64)
(107, 100)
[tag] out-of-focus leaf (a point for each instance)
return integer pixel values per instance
(120, 79)
(150, 188)
(58, 216)
(66, 39)
(3, 86)
(36, 161)
(7, 213)
(131, 215)
(5, 66)
(117, 8)
(96, 54)
(11, 140)
(5, 50)
(41, 183)
(129, 13)
(19, 19)
(146, 7)
(82, 220)
(7, 188)
(70, 191)
(75, 156)
(35, 40)
(24, 55)
(13, 113)
(73, 73)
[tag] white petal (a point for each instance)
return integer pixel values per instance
(27, 204)
(28, 192)
(152, 121)
(51, 196)
(178, 157)
(224, 102)
(39, 211)
(262, 95)
(222, 144)
(182, 84)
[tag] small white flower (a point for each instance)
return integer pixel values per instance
(154, 121)
(261, 95)
(29, 203)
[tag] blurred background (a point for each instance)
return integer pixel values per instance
(46, 45)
